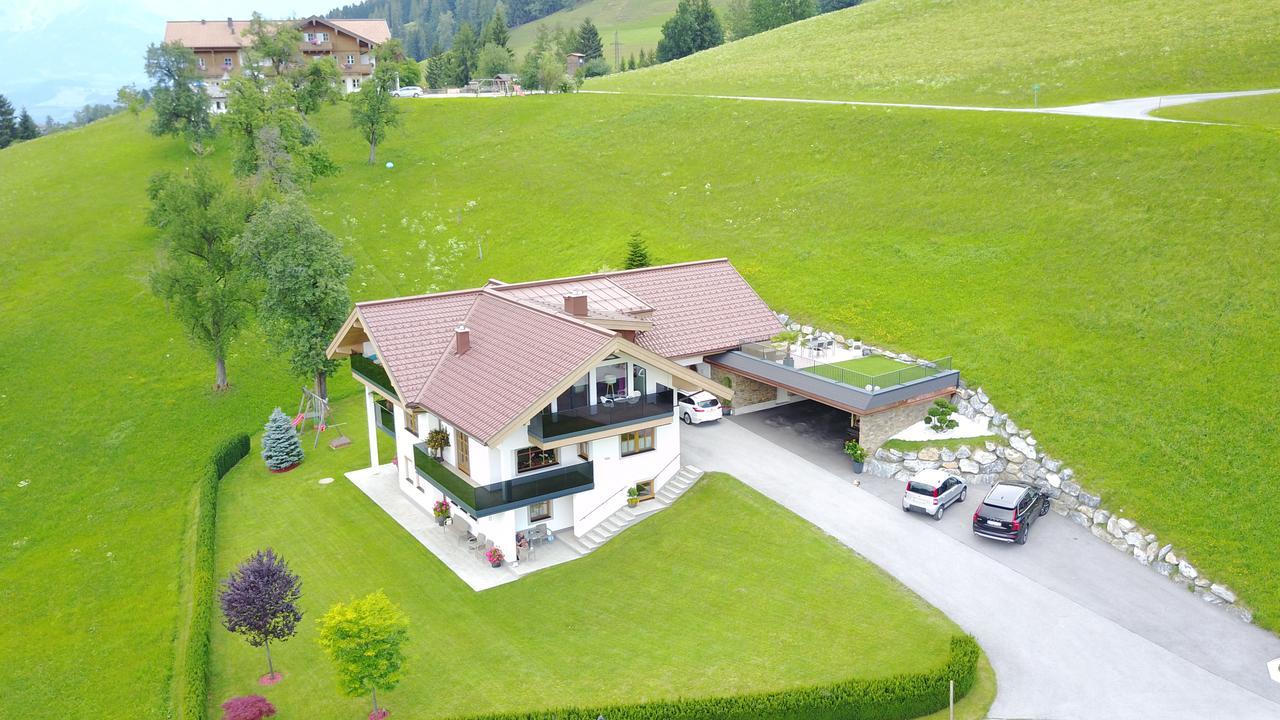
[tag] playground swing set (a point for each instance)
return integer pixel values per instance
(314, 409)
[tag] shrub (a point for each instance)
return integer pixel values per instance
(193, 655)
(856, 452)
(939, 416)
(898, 697)
(437, 441)
(247, 707)
(596, 67)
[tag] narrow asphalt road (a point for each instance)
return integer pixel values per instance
(1126, 109)
(1073, 628)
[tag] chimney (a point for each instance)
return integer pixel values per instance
(576, 304)
(231, 26)
(462, 339)
(201, 21)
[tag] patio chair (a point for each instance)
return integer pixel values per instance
(461, 532)
(476, 542)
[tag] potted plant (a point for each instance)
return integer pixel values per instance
(633, 496)
(494, 556)
(856, 453)
(437, 441)
(442, 512)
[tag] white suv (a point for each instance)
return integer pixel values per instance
(932, 492)
(408, 91)
(698, 407)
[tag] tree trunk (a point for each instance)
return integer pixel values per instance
(271, 669)
(375, 700)
(373, 152)
(221, 383)
(322, 385)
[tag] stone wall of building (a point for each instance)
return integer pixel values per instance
(1019, 458)
(876, 428)
(746, 391)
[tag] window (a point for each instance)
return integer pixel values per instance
(532, 458)
(611, 380)
(411, 422)
(637, 442)
(351, 59)
(540, 511)
(637, 378)
(226, 62)
(200, 62)
(355, 83)
(644, 490)
(584, 450)
(462, 451)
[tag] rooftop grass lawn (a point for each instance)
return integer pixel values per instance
(726, 592)
(988, 53)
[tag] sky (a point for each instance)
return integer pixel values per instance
(61, 54)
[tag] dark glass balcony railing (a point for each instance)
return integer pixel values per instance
(373, 372)
(506, 495)
(593, 418)
(386, 419)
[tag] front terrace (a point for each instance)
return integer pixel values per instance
(483, 500)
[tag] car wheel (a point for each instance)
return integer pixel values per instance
(687, 420)
(1044, 509)
(906, 509)
(941, 509)
(964, 492)
(1022, 537)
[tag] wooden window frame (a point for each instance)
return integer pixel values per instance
(651, 494)
(462, 451)
(636, 436)
(584, 451)
(554, 452)
(541, 518)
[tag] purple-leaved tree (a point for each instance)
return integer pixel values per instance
(260, 601)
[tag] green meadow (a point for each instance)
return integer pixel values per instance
(989, 52)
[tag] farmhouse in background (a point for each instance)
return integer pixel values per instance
(220, 47)
(558, 398)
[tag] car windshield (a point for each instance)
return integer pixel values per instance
(996, 513)
(920, 488)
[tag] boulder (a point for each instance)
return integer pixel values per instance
(989, 410)
(909, 455)
(1053, 480)
(1089, 499)
(1121, 545)
(1022, 446)
(928, 454)
(1162, 567)
(1067, 473)
(1100, 533)
(990, 446)
(951, 465)
(1011, 426)
(1071, 488)
(885, 455)
(1013, 456)
(897, 454)
(1187, 570)
(1151, 553)
(969, 466)
(793, 327)
(1140, 556)
(880, 468)
(1101, 516)
(1223, 592)
(1086, 511)
(1080, 519)
(1171, 558)
(916, 466)
(1241, 613)
(1203, 582)
(1051, 464)
(1211, 598)
(963, 452)
(999, 419)
(1136, 540)
(982, 396)
(806, 329)
(984, 457)
(948, 455)
(1126, 525)
(1113, 527)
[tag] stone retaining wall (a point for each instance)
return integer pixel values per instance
(1021, 459)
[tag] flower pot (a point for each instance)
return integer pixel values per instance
(495, 563)
(442, 521)
(857, 467)
(632, 502)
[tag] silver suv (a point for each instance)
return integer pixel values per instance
(932, 492)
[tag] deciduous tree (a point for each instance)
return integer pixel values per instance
(199, 275)
(277, 43)
(365, 640)
(259, 598)
(372, 112)
(303, 272)
(494, 60)
(180, 107)
(316, 85)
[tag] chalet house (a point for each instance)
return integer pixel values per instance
(557, 396)
(220, 48)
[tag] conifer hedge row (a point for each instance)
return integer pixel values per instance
(193, 654)
(898, 697)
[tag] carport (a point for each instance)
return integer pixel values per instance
(877, 407)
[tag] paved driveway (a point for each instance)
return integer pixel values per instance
(1072, 628)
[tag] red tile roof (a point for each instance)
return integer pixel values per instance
(523, 344)
(197, 34)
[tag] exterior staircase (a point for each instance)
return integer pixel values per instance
(627, 516)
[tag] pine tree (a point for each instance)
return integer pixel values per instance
(8, 127)
(27, 128)
(637, 253)
(630, 64)
(280, 447)
(496, 31)
(589, 43)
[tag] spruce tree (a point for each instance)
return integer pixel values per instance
(496, 31)
(8, 127)
(280, 447)
(27, 128)
(637, 253)
(589, 43)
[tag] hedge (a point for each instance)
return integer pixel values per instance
(898, 697)
(193, 654)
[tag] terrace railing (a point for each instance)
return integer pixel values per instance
(602, 416)
(908, 373)
(483, 500)
(373, 372)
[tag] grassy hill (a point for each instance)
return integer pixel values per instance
(989, 52)
(1257, 110)
(1099, 278)
(638, 24)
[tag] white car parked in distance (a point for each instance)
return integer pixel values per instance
(408, 91)
(932, 491)
(699, 407)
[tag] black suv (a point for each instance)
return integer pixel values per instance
(1008, 511)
